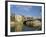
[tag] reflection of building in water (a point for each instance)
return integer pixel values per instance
(35, 22)
(17, 22)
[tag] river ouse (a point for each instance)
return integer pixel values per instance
(25, 23)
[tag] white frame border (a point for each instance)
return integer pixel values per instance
(29, 32)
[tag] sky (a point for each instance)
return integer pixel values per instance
(26, 10)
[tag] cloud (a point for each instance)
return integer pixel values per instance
(22, 10)
(23, 7)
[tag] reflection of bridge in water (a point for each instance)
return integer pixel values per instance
(18, 25)
(29, 20)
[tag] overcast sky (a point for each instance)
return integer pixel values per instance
(26, 10)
